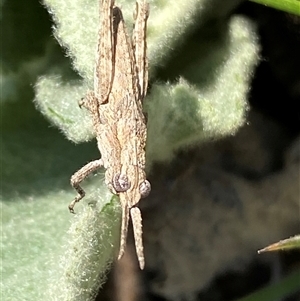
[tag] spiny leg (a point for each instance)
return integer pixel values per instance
(79, 176)
(124, 228)
(136, 219)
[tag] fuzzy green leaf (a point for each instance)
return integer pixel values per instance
(205, 98)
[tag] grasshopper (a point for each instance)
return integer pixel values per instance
(115, 105)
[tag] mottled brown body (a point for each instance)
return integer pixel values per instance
(120, 85)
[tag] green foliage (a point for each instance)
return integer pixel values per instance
(285, 244)
(289, 6)
(201, 96)
(282, 289)
(209, 96)
(88, 252)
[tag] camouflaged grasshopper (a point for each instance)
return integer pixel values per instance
(115, 104)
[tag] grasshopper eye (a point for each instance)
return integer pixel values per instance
(121, 182)
(145, 188)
